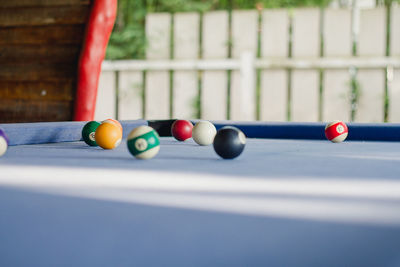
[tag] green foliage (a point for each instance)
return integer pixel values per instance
(128, 38)
(127, 43)
(206, 5)
(178, 5)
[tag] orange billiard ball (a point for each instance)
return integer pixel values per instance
(108, 135)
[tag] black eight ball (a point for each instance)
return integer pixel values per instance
(229, 142)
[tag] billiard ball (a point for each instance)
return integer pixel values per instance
(182, 130)
(108, 135)
(88, 132)
(3, 142)
(143, 142)
(336, 131)
(114, 121)
(229, 142)
(203, 133)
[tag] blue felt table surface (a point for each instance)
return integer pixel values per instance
(49, 230)
(261, 157)
(52, 132)
(38, 228)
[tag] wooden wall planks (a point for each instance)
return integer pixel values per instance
(37, 72)
(49, 34)
(20, 110)
(274, 83)
(44, 90)
(40, 43)
(213, 103)
(106, 97)
(130, 95)
(336, 102)
(244, 39)
(157, 95)
(227, 35)
(305, 89)
(394, 77)
(185, 83)
(40, 53)
(38, 16)
(41, 3)
(371, 42)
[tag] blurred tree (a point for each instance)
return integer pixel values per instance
(128, 38)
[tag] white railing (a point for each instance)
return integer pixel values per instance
(248, 61)
(307, 84)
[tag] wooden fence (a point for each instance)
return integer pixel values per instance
(274, 65)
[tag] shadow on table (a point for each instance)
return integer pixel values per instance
(42, 229)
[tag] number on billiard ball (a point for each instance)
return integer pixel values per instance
(143, 142)
(88, 132)
(336, 131)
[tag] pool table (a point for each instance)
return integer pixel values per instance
(291, 198)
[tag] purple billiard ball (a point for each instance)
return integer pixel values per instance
(3, 142)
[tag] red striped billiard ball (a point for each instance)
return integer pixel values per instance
(336, 131)
(182, 130)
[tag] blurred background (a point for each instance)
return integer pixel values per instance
(277, 60)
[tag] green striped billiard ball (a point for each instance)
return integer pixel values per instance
(88, 132)
(143, 142)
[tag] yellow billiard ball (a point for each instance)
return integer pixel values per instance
(108, 135)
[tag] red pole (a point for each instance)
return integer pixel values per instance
(98, 31)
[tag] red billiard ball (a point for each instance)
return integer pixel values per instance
(182, 130)
(336, 131)
(115, 122)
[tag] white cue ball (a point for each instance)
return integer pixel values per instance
(3, 146)
(203, 133)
